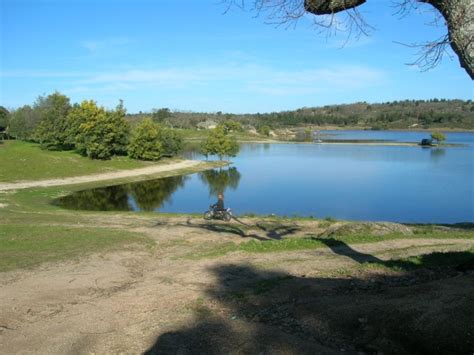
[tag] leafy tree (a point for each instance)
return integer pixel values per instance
(161, 114)
(120, 141)
(52, 130)
(231, 126)
(219, 143)
(145, 142)
(171, 140)
(23, 123)
(439, 137)
(4, 119)
(78, 115)
(102, 133)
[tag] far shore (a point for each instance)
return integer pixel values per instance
(349, 142)
(413, 129)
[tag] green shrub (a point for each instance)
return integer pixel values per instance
(439, 137)
(145, 142)
(52, 130)
(264, 130)
(171, 140)
(220, 143)
(231, 126)
(102, 133)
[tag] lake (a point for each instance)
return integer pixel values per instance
(350, 182)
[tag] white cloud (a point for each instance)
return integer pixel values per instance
(40, 74)
(334, 79)
(242, 77)
(95, 45)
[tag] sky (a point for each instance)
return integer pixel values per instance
(192, 55)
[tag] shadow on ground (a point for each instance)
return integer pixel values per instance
(267, 231)
(427, 307)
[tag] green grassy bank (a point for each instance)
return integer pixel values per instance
(27, 161)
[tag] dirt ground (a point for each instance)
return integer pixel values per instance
(305, 301)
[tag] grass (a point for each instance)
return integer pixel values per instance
(27, 161)
(199, 308)
(26, 246)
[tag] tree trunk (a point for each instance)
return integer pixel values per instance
(459, 16)
(327, 7)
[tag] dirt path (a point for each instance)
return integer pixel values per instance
(285, 302)
(103, 176)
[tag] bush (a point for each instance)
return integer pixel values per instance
(438, 137)
(231, 126)
(102, 133)
(171, 141)
(23, 123)
(220, 143)
(145, 142)
(52, 130)
(264, 130)
(4, 119)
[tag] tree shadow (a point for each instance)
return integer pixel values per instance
(462, 260)
(279, 231)
(224, 228)
(265, 312)
(341, 248)
(271, 232)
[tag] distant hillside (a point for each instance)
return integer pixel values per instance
(408, 114)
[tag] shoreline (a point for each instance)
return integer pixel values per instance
(196, 165)
(399, 144)
(414, 129)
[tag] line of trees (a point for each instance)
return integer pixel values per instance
(404, 114)
(91, 130)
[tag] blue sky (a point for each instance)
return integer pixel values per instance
(189, 55)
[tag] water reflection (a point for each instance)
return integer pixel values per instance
(112, 198)
(219, 180)
(151, 195)
(148, 195)
(437, 154)
(144, 196)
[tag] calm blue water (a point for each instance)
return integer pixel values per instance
(399, 136)
(353, 182)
